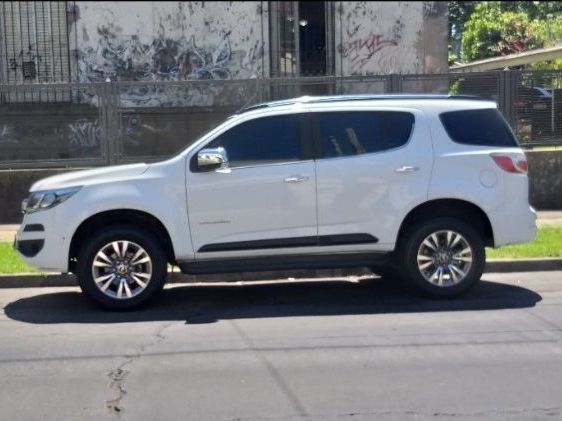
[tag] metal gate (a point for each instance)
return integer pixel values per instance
(34, 42)
(87, 124)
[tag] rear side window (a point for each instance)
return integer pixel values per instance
(485, 127)
(358, 132)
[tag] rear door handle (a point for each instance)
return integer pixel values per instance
(406, 169)
(296, 179)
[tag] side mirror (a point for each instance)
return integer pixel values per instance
(211, 158)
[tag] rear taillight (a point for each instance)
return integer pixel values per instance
(511, 162)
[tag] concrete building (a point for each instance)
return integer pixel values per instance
(52, 41)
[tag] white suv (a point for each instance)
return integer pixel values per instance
(415, 185)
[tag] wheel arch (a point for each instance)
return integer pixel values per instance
(457, 208)
(132, 217)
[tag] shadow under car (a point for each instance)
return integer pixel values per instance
(207, 303)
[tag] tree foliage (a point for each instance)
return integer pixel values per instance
(459, 12)
(494, 28)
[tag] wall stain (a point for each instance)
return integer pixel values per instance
(85, 36)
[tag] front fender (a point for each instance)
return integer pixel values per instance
(164, 201)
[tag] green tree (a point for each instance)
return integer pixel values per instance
(534, 9)
(495, 28)
(459, 12)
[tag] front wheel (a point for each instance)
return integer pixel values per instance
(443, 257)
(121, 268)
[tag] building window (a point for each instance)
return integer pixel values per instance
(301, 36)
(34, 42)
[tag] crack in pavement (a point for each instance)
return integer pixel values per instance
(117, 377)
(551, 412)
(550, 324)
(279, 380)
(119, 374)
(374, 346)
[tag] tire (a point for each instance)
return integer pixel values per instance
(141, 282)
(419, 263)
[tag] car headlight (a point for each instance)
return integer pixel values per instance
(46, 199)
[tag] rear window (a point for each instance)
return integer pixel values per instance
(485, 127)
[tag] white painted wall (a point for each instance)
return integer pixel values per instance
(378, 38)
(229, 40)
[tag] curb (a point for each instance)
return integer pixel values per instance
(38, 280)
(523, 265)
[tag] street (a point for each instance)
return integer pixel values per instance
(317, 350)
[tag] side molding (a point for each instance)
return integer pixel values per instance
(275, 243)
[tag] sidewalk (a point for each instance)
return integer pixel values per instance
(549, 218)
(7, 232)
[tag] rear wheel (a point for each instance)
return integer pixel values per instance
(121, 268)
(443, 257)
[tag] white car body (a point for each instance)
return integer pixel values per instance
(370, 193)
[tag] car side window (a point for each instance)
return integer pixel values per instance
(359, 132)
(272, 139)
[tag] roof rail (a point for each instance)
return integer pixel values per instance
(341, 98)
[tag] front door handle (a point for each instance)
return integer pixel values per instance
(296, 179)
(406, 169)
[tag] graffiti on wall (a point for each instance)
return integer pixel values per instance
(8, 134)
(375, 38)
(163, 59)
(360, 51)
(83, 133)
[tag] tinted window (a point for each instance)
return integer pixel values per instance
(268, 139)
(478, 127)
(359, 132)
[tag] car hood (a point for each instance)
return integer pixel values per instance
(89, 177)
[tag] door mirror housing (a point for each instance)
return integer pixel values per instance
(209, 159)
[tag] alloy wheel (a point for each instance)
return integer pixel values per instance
(122, 269)
(444, 258)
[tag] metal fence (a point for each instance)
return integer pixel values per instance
(71, 125)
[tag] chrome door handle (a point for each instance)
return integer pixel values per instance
(296, 179)
(406, 169)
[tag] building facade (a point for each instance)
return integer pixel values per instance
(179, 68)
(87, 41)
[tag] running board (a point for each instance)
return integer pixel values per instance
(255, 264)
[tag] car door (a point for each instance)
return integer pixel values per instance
(373, 166)
(264, 201)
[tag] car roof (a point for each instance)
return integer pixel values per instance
(355, 98)
(433, 103)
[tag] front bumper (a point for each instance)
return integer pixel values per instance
(43, 249)
(29, 248)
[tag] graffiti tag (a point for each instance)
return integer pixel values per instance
(83, 134)
(361, 50)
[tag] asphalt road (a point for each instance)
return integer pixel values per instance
(317, 350)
